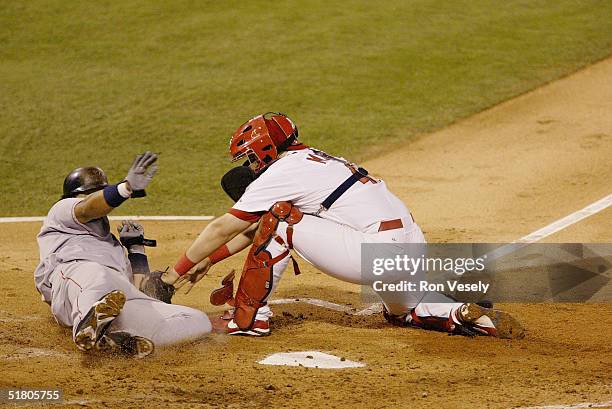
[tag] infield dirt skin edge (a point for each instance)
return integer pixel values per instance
(496, 176)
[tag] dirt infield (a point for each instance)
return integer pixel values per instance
(493, 177)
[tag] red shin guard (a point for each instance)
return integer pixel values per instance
(257, 278)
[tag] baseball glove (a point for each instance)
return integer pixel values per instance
(153, 286)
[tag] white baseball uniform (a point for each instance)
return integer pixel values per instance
(82, 262)
(331, 239)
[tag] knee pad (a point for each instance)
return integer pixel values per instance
(279, 212)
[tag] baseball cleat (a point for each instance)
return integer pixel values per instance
(225, 325)
(260, 328)
(126, 344)
(96, 321)
(490, 322)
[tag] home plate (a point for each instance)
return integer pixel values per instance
(310, 359)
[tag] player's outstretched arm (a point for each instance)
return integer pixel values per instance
(235, 245)
(219, 232)
(92, 207)
(102, 202)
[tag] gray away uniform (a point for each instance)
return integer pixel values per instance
(80, 263)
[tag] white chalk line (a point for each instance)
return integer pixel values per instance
(9, 316)
(314, 301)
(21, 319)
(152, 218)
(370, 310)
(568, 220)
(552, 228)
(571, 406)
(31, 353)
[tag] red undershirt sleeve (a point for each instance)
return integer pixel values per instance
(250, 217)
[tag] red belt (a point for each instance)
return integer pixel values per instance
(391, 225)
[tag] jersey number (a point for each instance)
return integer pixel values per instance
(322, 157)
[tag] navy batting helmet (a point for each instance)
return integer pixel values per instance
(84, 181)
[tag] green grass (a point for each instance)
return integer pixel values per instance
(96, 82)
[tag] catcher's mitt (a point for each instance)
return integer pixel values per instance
(153, 286)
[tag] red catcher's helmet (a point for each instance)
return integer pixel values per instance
(262, 138)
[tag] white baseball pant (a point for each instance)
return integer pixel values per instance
(335, 249)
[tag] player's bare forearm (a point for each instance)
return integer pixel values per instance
(235, 245)
(242, 240)
(220, 231)
(92, 207)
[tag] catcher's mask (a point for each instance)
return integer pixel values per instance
(262, 138)
(84, 181)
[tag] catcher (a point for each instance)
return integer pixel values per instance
(89, 282)
(292, 196)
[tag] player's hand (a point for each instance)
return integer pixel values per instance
(191, 278)
(131, 235)
(143, 168)
(170, 276)
(130, 229)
